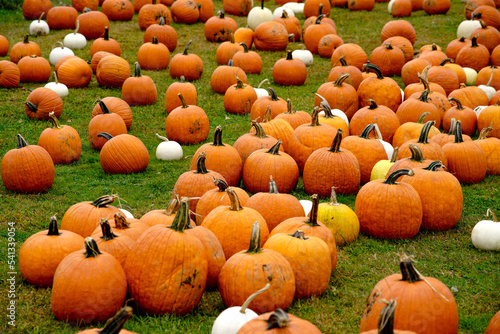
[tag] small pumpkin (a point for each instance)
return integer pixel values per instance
(62, 142)
(486, 233)
(123, 154)
(146, 95)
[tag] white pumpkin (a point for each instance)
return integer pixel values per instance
(486, 234)
(298, 8)
(470, 76)
(278, 12)
(257, 15)
(478, 109)
(389, 6)
(387, 146)
(57, 87)
(232, 319)
(39, 27)
(465, 28)
(168, 149)
(490, 91)
(337, 112)
(305, 55)
(127, 213)
(59, 52)
(75, 40)
(262, 91)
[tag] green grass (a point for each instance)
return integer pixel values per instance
(448, 256)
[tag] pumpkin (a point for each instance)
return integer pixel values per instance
(82, 5)
(39, 27)
(489, 116)
(466, 159)
(488, 14)
(311, 227)
(387, 209)
(74, 72)
(232, 224)
(4, 46)
(263, 163)
(294, 117)
(117, 245)
(73, 301)
(491, 147)
(311, 19)
(41, 101)
(237, 8)
(216, 197)
(168, 149)
(486, 234)
(398, 28)
(400, 8)
(239, 98)
(22, 49)
(278, 322)
(339, 95)
(196, 182)
(411, 130)
(258, 15)
(250, 142)
(82, 218)
(224, 76)
(34, 69)
(187, 124)
(92, 23)
(471, 5)
(310, 260)
(465, 115)
(221, 158)
(32, 9)
(424, 84)
(384, 117)
(233, 318)
(270, 36)
(112, 71)
(260, 106)
(95, 59)
(114, 324)
(118, 10)
(264, 266)
(328, 44)
(188, 65)
(340, 219)
(382, 90)
(146, 95)
(411, 70)
(243, 35)
(185, 11)
(206, 9)
(455, 46)
(487, 36)
(123, 154)
(10, 76)
(173, 249)
(227, 50)
(390, 60)
(249, 61)
(188, 91)
(314, 33)
(105, 43)
(164, 33)
(108, 122)
(219, 28)
(426, 297)
(275, 207)
(331, 167)
(385, 322)
(352, 53)
(367, 5)
(416, 160)
(62, 142)
(75, 40)
(291, 23)
(152, 12)
(436, 7)
(42, 252)
(289, 71)
(475, 56)
(115, 105)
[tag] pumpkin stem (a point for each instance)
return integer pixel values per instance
(284, 14)
(261, 4)
(155, 40)
(272, 93)
(315, 117)
(33, 107)
(239, 82)
(320, 9)
(335, 148)
(394, 156)
(91, 249)
(25, 40)
(173, 206)
(40, 18)
(299, 234)
(252, 297)
(408, 271)
(289, 55)
(342, 61)
(373, 104)
(325, 106)
(54, 121)
(115, 324)
(106, 34)
(424, 133)
(395, 175)
(235, 200)
(319, 18)
(416, 153)
(107, 234)
(474, 41)
(262, 82)
(221, 184)
(105, 135)
(104, 107)
(77, 27)
(278, 319)
(254, 246)
(21, 142)
(273, 188)
(181, 218)
(53, 230)
(200, 163)
(374, 68)
(457, 102)
(490, 212)
(185, 52)
(366, 131)
(162, 21)
(137, 70)
(458, 132)
(230, 62)
(221, 14)
(245, 50)
(267, 115)
(218, 137)
(103, 201)
(333, 197)
(445, 61)
(275, 149)
(451, 131)
(423, 96)
(289, 107)
(183, 101)
(422, 117)
(433, 166)
(485, 132)
(340, 80)
(385, 322)
(121, 222)
(259, 131)
(313, 214)
(161, 137)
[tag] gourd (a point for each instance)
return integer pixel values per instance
(298, 8)
(59, 88)
(233, 318)
(168, 149)
(261, 91)
(305, 55)
(486, 233)
(470, 75)
(465, 28)
(257, 15)
(489, 90)
(59, 52)
(39, 27)
(75, 40)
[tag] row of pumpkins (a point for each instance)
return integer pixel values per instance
(192, 282)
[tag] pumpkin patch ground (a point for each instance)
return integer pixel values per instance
(363, 263)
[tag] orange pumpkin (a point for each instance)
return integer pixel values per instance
(187, 124)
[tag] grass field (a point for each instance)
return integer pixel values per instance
(448, 256)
